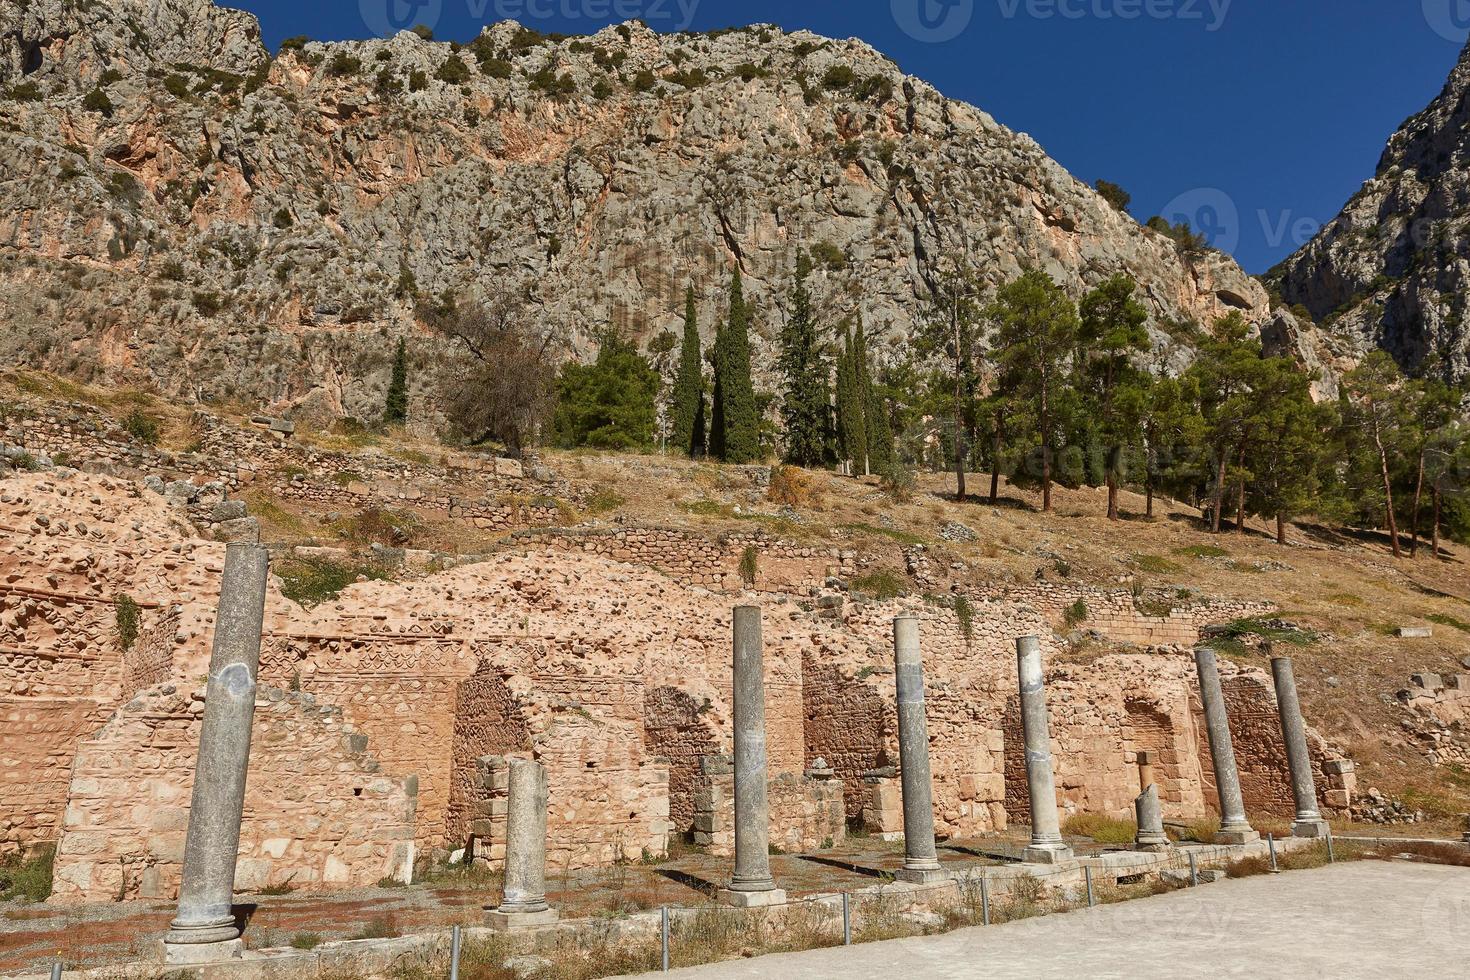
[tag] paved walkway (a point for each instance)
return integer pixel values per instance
(1365, 919)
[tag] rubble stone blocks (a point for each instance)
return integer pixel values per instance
(751, 885)
(204, 928)
(921, 860)
(1234, 827)
(524, 903)
(1309, 821)
(1047, 846)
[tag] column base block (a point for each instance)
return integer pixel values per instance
(1237, 837)
(1046, 855)
(519, 921)
(1310, 828)
(922, 877)
(1152, 843)
(194, 954)
(753, 900)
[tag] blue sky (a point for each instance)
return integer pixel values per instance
(1258, 119)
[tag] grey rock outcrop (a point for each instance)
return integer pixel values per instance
(236, 226)
(1393, 269)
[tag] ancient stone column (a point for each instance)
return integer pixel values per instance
(1150, 815)
(524, 903)
(1047, 846)
(1145, 770)
(204, 929)
(921, 860)
(751, 884)
(1309, 822)
(1234, 828)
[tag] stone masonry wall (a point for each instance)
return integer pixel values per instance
(318, 813)
(1114, 613)
(694, 559)
(806, 813)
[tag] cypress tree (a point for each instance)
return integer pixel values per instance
(851, 427)
(686, 408)
(805, 407)
(717, 406)
(877, 431)
(395, 407)
(741, 418)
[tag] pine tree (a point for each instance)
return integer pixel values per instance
(1036, 332)
(686, 416)
(806, 401)
(1226, 374)
(1376, 394)
(1291, 443)
(610, 403)
(1113, 330)
(395, 407)
(741, 415)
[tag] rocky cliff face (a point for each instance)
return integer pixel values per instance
(181, 209)
(1393, 269)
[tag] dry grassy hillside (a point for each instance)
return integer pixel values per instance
(1343, 587)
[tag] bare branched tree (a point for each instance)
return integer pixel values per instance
(502, 386)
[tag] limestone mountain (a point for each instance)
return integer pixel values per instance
(183, 210)
(1393, 269)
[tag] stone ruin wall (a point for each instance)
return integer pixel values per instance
(1114, 612)
(695, 560)
(319, 813)
(1260, 751)
(807, 812)
(570, 658)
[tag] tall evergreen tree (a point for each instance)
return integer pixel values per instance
(806, 401)
(1376, 393)
(1113, 330)
(686, 415)
(1226, 373)
(852, 433)
(877, 429)
(1291, 443)
(395, 407)
(1036, 333)
(741, 416)
(951, 330)
(717, 397)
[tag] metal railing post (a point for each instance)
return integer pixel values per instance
(455, 938)
(1087, 873)
(985, 898)
(1271, 843)
(664, 936)
(1193, 870)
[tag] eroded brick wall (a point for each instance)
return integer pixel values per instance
(319, 813)
(674, 729)
(487, 722)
